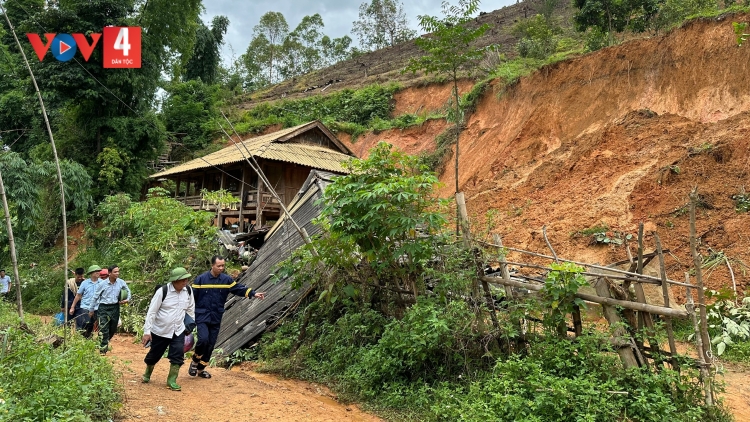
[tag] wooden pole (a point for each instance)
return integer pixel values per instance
(648, 321)
(645, 278)
(576, 312)
(241, 223)
(665, 293)
(699, 344)
(620, 335)
(54, 154)
(13, 258)
(654, 309)
(464, 219)
(697, 263)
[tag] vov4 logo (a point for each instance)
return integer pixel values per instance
(122, 46)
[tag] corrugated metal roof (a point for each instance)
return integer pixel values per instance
(269, 147)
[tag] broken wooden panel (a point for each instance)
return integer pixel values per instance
(245, 319)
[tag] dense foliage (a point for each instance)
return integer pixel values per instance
(153, 236)
(40, 382)
(407, 339)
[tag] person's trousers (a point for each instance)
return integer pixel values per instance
(207, 336)
(159, 344)
(79, 318)
(109, 315)
(88, 323)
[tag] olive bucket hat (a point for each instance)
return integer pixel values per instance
(179, 273)
(93, 268)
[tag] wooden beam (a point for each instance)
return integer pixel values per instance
(659, 310)
(241, 225)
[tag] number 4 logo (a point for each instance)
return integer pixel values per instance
(122, 47)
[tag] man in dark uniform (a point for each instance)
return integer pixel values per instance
(211, 290)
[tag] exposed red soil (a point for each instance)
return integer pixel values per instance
(618, 137)
(411, 140)
(429, 98)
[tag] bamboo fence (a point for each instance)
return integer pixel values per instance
(621, 295)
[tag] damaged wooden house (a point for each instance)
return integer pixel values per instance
(286, 157)
(244, 320)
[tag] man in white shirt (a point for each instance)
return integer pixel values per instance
(5, 285)
(165, 326)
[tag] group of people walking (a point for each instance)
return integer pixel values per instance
(173, 309)
(96, 299)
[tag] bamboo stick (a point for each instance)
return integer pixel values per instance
(464, 220)
(593, 274)
(654, 309)
(642, 278)
(697, 262)
(12, 245)
(640, 294)
(665, 293)
(699, 344)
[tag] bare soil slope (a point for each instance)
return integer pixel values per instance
(617, 137)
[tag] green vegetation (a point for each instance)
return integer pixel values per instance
(351, 111)
(42, 382)
(150, 238)
(741, 202)
(434, 355)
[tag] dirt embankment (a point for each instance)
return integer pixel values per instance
(618, 138)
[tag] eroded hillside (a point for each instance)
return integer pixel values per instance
(613, 138)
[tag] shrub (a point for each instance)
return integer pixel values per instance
(43, 383)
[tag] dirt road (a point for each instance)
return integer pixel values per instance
(236, 395)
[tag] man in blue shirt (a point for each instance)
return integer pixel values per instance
(211, 290)
(5, 285)
(106, 303)
(85, 295)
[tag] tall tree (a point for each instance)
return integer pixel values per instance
(300, 52)
(93, 108)
(448, 48)
(206, 57)
(274, 29)
(382, 23)
(334, 50)
(256, 61)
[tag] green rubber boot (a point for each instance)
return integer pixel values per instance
(172, 377)
(147, 375)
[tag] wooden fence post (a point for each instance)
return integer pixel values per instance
(624, 347)
(665, 293)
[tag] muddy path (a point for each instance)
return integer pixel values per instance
(239, 394)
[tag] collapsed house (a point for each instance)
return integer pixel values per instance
(244, 320)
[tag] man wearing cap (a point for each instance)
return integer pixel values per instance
(72, 290)
(211, 291)
(85, 296)
(165, 325)
(104, 274)
(5, 285)
(106, 303)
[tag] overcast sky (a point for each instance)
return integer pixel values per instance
(337, 15)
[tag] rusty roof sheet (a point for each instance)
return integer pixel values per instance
(265, 146)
